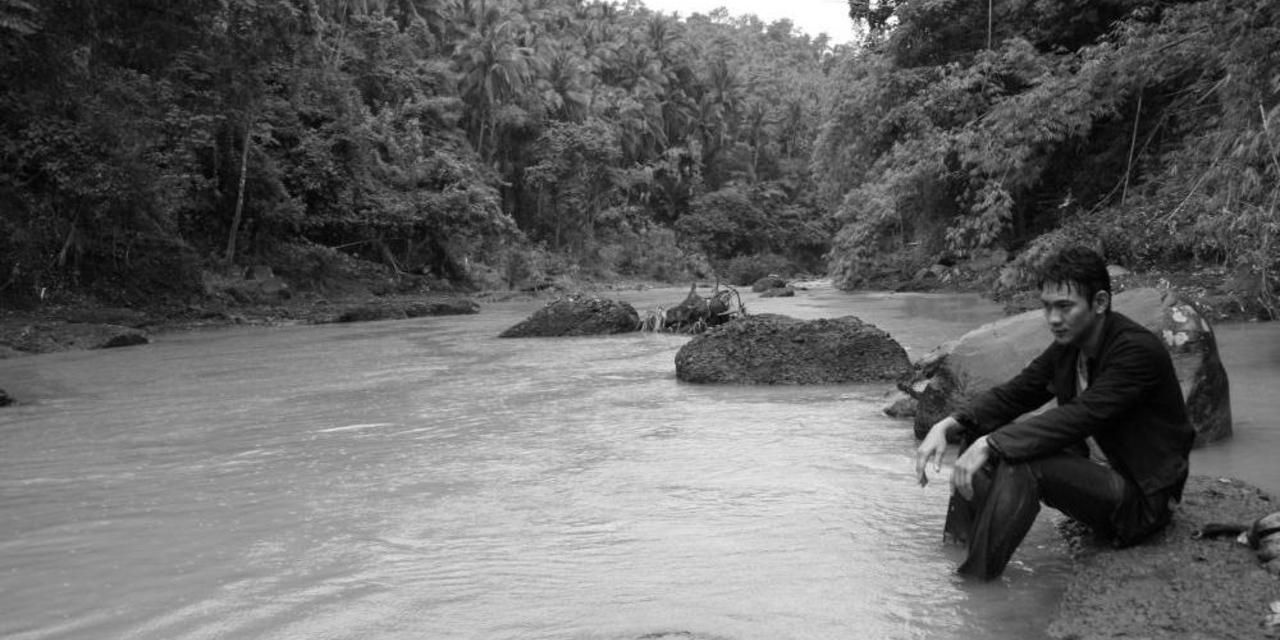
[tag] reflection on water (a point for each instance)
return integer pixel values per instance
(423, 479)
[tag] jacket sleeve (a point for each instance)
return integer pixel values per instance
(1129, 372)
(1025, 392)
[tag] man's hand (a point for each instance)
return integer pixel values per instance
(968, 464)
(933, 447)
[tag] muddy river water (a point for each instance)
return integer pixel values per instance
(423, 479)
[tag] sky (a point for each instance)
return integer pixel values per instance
(810, 16)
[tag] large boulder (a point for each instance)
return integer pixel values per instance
(775, 349)
(577, 315)
(995, 352)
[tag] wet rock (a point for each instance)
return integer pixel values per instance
(768, 282)
(124, 339)
(902, 407)
(778, 292)
(1264, 537)
(577, 315)
(450, 307)
(932, 272)
(1174, 585)
(370, 313)
(399, 310)
(995, 352)
(5, 399)
(776, 349)
(55, 336)
(264, 284)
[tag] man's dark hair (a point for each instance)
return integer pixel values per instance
(1079, 268)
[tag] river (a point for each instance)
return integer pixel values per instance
(423, 479)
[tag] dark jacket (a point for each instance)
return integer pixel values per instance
(1133, 408)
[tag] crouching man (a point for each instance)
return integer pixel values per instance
(1113, 381)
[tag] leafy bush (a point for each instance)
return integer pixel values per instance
(743, 271)
(1149, 132)
(752, 221)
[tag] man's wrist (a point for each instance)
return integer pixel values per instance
(992, 447)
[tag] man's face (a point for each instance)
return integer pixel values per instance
(1071, 317)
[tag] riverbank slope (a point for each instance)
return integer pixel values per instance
(1176, 586)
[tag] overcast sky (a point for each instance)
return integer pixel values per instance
(811, 16)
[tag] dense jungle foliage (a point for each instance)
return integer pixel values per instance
(150, 143)
(1147, 129)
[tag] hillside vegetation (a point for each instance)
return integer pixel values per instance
(1147, 129)
(150, 148)
(494, 142)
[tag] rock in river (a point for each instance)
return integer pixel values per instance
(53, 336)
(577, 315)
(399, 310)
(776, 349)
(768, 282)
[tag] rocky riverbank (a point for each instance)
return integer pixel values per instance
(84, 325)
(1176, 586)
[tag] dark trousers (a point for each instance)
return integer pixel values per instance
(1007, 497)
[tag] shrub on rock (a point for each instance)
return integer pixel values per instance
(695, 313)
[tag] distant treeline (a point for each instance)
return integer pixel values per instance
(144, 140)
(494, 141)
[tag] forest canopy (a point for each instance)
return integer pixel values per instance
(482, 140)
(490, 143)
(1148, 129)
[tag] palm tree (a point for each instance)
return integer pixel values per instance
(564, 87)
(718, 106)
(494, 69)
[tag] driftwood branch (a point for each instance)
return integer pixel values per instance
(695, 313)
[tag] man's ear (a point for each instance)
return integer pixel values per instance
(1101, 302)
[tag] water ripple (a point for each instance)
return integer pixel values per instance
(424, 479)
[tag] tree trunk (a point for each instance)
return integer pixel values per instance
(235, 219)
(66, 245)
